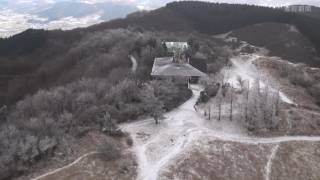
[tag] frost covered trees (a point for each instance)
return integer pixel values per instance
(261, 106)
(152, 103)
(255, 105)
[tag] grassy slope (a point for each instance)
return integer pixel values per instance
(281, 39)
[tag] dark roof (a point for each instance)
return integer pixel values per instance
(165, 67)
(199, 64)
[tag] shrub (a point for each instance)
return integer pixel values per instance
(129, 141)
(212, 90)
(315, 92)
(283, 69)
(170, 94)
(125, 91)
(108, 151)
(151, 103)
(109, 126)
(203, 97)
(298, 77)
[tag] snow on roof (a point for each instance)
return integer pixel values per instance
(166, 67)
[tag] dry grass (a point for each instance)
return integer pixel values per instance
(296, 161)
(93, 166)
(220, 160)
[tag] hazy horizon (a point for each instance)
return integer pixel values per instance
(152, 4)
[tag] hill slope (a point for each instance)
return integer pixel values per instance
(281, 40)
(22, 55)
(214, 18)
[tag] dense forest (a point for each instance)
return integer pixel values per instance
(40, 59)
(85, 88)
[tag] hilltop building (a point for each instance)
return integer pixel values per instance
(176, 67)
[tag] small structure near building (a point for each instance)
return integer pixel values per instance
(176, 46)
(176, 67)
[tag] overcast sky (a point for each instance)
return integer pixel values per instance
(151, 4)
(157, 3)
(274, 2)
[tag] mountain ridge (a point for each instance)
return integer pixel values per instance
(27, 54)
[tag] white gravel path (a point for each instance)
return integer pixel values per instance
(134, 63)
(158, 145)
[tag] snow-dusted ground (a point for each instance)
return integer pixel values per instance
(159, 146)
(134, 63)
(64, 167)
(156, 146)
(243, 67)
(270, 161)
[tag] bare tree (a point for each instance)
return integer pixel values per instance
(247, 101)
(241, 83)
(231, 102)
(260, 106)
(209, 112)
(219, 98)
(152, 103)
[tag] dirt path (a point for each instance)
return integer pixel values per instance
(134, 63)
(65, 167)
(274, 151)
(158, 145)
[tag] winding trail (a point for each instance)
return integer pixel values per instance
(156, 146)
(274, 151)
(65, 167)
(134, 63)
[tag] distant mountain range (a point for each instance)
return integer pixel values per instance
(17, 16)
(106, 11)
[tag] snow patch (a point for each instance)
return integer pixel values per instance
(134, 64)
(293, 28)
(158, 146)
(166, 140)
(222, 36)
(243, 67)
